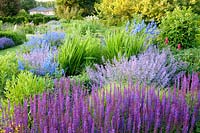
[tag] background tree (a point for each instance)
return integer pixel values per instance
(9, 7)
(74, 8)
(27, 4)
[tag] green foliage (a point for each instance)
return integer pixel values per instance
(83, 79)
(116, 10)
(22, 12)
(8, 68)
(36, 19)
(191, 57)
(180, 27)
(78, 52)
(121, 43)
(24, 85)
(27, 4)
(71, 9)
(16, 37)
(1, 23)
(9, 7)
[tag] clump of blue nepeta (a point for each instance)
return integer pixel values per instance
(52, 38)
(153, 67)
(41, 61)
(6, 42)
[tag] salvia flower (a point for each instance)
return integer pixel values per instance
(131, 108)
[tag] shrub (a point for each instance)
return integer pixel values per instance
(6, 43)
(180, 27)
(129, 109)
(8, 68)
(118, 10)
(25, 84)
(16, 37)
(78, 52)
(151, 67)
(134, 39)
(191, 57)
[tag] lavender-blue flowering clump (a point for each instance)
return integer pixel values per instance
(149, 31)
(40, 61)
(6, 42)
(52, 38)
(132, 108)
(153, 67)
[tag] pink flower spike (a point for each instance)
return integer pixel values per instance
(166, 40)
(179, 46)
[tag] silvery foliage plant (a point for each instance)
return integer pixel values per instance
(153, 67)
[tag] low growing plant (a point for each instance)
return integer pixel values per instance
(152, 67)
(191, 57)
(6, 43)
(25, 84)
(8, 68)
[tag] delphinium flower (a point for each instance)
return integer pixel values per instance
(132, 108)
(153, 67)
(148, 31)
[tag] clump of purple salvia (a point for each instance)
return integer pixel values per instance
(153, 67)
(132, 108)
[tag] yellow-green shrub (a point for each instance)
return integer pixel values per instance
(24, 85)
(118, 10)
(8, 68)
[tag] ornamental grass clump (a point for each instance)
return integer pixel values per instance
(153, 67)
(135, 39)
(133, 108)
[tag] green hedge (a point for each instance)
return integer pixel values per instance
(36, 19)
(16, 37)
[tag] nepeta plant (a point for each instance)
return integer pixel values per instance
(40, 61)
(153, 67)
(133, 108)
(6, 42)
(54, 38)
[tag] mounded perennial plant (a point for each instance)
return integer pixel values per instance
(152, 67)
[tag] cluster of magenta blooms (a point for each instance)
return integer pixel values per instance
(130, 108)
